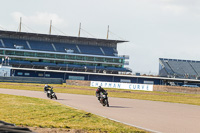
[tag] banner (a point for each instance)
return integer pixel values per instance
(131, 86)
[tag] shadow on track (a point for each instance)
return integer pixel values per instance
(118, 107)
(62, 99)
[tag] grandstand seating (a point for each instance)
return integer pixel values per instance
(186, 66)
(167, 68)
(196, 67)
(35, 46)
(1, 45)
(13, 43)
(85, 49)
(60, 47)
(176, 67)
(181, 68)
(42, 46)
(108, 51)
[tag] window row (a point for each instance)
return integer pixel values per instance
(67, 63)
(61, 56)
(28, 74)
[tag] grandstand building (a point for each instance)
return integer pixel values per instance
(176, 68)
(78, 58)
(30, 51)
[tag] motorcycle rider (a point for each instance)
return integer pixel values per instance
(46, 89)
(98, 91)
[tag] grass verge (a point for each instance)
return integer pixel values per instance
(143, 95)
(35, 112)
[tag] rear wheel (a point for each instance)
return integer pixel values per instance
(107, 103)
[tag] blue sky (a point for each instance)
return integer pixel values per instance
(154, 28)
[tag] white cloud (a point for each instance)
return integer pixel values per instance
(39, 18)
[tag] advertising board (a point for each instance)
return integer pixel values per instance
(131, 86)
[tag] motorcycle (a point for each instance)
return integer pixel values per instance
(104, 98)
(51, 94)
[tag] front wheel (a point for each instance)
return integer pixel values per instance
(104, 102)
(55, 97)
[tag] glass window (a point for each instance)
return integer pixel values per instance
(117, 60)
(60, 56)
(20, 73)
(99, 59)
(26, 74)
(9, 52)
(76, 77)
(125, 80)
(29, 54)
(149, 82)
(79, 57)
(47, 75)
(121, 60)
(19, 53)
(1, 52)
(40, 74)
(90, 58)
(70, 57)
(40, 55)
(50, 55)
(109, 60)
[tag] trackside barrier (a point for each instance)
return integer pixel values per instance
(32, 80)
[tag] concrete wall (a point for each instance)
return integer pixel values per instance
(78, 82)
(177, 89)
(161, 88)
(32, 80)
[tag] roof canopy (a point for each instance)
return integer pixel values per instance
(56, 38)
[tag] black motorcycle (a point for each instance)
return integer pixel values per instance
(51, 94)
(104, 98)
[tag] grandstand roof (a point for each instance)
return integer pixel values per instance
(47, 37)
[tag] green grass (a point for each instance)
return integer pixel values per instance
(35, 112)
(144, 95)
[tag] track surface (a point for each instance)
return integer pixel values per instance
(150, 115)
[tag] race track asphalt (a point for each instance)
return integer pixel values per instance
(152, 116)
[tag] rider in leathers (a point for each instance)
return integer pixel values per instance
(46, 89)
(98, 90)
